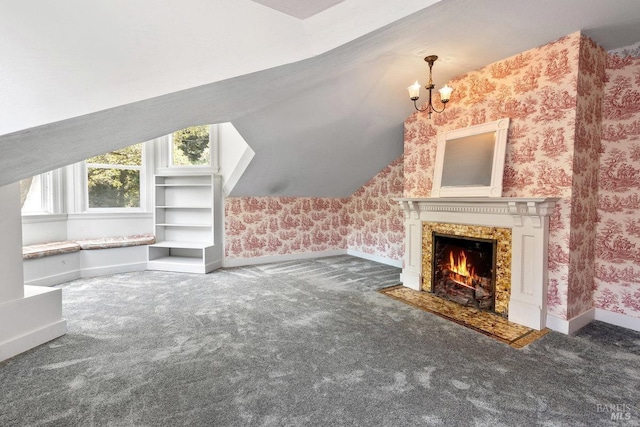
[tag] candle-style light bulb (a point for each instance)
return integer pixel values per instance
(414, 91)
(445, 94)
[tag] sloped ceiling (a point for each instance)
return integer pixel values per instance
(299, 9)
(324, 125)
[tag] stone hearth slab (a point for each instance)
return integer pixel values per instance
(484, 322)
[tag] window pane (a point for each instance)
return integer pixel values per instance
(128, 156)
(35, 194)
(113, 188)
(190, 146)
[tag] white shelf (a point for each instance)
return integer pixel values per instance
(184, 223)
(183, 207)
(184, 245)
(183, 185)
(178, 260)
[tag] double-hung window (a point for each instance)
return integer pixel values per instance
(190, 147)
(115, 179)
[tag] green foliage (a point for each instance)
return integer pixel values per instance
(131, 156)
(191, 146)
(117, 186)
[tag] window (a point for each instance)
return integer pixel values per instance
(190, 146)
(114, 179)
(38, 194)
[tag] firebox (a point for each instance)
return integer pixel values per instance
(463, 270)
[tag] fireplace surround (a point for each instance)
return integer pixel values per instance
(527, 219)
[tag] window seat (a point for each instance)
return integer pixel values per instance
(49, 264)
(70, 246)
(48, 249)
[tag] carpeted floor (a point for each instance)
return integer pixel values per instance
(306, 343)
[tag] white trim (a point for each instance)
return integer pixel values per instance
(30, 321)
(209, 165)
(43, 218)
(618, 319)
(54, 279)
(91, 216)
(186, 170)
(528, 219)
(33, 339)
(571, 326)
(77, 186)
(214, 147)
(499, 129)
(84, 263)
(112, 269)
(375, 258)
(268, 259)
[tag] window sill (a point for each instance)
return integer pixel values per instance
(110, 215)
(188, 170)
(40, 218)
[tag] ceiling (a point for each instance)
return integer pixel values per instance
(300, 9)
(324, 125)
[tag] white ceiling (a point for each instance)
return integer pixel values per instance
(300, 9)
(322, 125)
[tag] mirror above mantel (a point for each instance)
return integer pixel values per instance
(470, 161)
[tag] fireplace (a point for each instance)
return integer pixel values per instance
(520, 226)
(463, 270)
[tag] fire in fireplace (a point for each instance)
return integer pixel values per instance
(463, 270)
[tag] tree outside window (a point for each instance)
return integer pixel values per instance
(113, 179)
(190, 146)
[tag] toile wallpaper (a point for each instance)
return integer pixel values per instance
(369, 221)
(561, 144)
(537, 90)
(617, 273)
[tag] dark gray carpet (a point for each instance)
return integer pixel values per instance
(307, 343)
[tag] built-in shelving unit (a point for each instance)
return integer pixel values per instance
(187, 222)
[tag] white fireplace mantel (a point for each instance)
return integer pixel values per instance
(528, 219)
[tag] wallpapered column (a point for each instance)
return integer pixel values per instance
(618, 244)
(584, 201)
(537, 89)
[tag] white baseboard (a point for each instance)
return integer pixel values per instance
(33, 339)
(623, 320)
(268, 259)
(113, 269)
(375, 258)
(571, 326)
(54, 279)
(85, 263)
(31, 320)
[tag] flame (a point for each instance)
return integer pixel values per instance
(460, 272)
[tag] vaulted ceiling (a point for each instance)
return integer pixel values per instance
(317, 89)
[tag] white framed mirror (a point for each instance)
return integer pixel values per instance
(470, 161)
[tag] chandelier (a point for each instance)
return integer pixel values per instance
(414, 90)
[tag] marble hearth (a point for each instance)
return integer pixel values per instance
(528, 220)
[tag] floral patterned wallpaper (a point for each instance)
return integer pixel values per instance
(618, 234)
(377, 222)
(586, 156)
(544, 91)
(260, 226)
(369, 221)
(561, 144)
